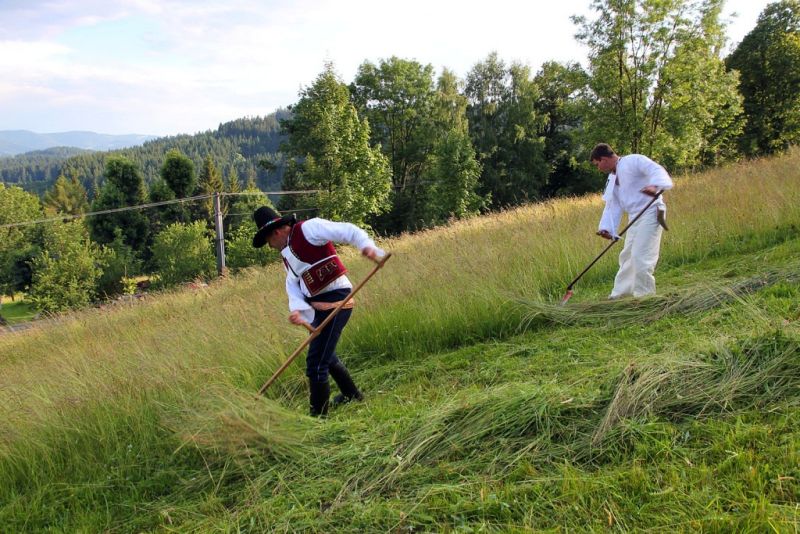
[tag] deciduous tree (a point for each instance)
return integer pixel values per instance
(656, 79)
(182, 252)
(504, 127)
(451, 169)
(66, 273)
(331, 151)
(768, 62)
(397, 97)
(19, 244)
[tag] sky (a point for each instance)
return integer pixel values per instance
(167, 67)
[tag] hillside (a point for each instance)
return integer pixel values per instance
(240, 144)
(489, 407)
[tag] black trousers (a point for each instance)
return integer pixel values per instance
(322, 350)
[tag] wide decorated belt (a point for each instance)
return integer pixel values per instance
(322, 273)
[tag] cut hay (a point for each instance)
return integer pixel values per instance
(235, 424)
(518, 419)
(626, 312)
(546, 425)
(757, 373)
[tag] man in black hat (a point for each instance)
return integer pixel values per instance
(316, 282)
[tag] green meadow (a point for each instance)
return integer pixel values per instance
(17, 310)
(489, 407)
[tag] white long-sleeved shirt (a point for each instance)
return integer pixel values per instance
(318, 232)
(623, 192)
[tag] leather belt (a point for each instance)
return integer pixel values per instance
(325, 306)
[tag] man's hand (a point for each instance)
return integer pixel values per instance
(650, 190)
(605, 234)
(296, 318)
(370, 253)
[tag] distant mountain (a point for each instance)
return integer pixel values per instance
(242, 145)
(13, 142)
(55, 153)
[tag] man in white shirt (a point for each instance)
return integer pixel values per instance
(632, 182)
(316, 282)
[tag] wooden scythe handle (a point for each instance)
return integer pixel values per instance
(316, 331)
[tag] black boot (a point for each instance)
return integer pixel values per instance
(349, 390)
(318, 398)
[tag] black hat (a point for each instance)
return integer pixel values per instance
(267, 220)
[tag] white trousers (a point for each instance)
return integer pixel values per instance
(638, 258)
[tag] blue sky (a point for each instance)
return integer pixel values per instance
(164, 67)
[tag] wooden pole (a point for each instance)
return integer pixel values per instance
(316, 331)
(219, 242)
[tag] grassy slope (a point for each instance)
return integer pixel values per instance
(142, 418)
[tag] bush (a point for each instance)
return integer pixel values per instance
(183, 252)
(239, 251)
(66, 272)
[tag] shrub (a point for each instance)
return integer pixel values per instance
(66, 272)
(182, 252)
(239, 251)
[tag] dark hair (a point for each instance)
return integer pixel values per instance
(601, 150)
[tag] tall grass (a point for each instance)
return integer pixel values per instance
(152, 402)
(442, 288)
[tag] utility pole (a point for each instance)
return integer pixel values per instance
(220, 240)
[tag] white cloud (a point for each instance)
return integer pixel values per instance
(170, 66)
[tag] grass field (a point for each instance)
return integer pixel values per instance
(16, 311)
(489, 407)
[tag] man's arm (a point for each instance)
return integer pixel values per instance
(299, 310)
(655, 176)
(319, 231)
(612, 212)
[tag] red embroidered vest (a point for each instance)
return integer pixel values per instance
(318, 266)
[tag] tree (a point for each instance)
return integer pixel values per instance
(561, 103)
(504, 127)
(768, 62)
(656, 83)
(18, 244)
(242, 207)
(177, 180)
(162, 216)
(118, 263)
(331, 151)
(235, 213)
(397, 97)
(451, 168)
(453, 173)
(239, 251)
(234, 185)
(66, 272)
(67, 196)
(210, 183)
(178, 173)
(124, 187)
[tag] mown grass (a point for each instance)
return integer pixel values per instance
(676, 413)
